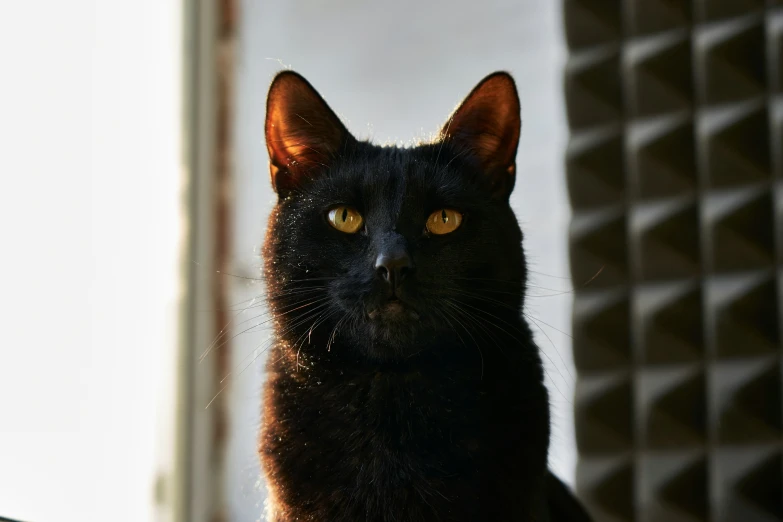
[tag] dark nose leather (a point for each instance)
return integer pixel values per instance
(393, 266)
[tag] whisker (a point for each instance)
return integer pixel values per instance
(443, 313)
(516, 284)
(486, 299)
(596, 275)
(551, 295)
(561, 277)
(553, 364)
(523, 333)
(477, 321)
(228, 273)
(274, 298)
(334, 333)
(536, 321)
(271, 341)
(309, 332)
(223, 333)
(222, 388)
(504, 321)
(224, 329)
(549, 325)
(481, 354)
(294, 291)
(266, 321)
(468, 294)
(263, 277)
(310, 279)
(548, 275)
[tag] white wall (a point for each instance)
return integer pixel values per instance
(89, 245)
(394, 71)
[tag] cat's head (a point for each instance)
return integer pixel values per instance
(391, 247)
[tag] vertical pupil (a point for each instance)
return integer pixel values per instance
(443, 216)
(345, 214)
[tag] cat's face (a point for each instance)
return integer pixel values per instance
(402, 243)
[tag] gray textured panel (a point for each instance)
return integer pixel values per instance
(655, 16)
(662, 158)
(658, 74)
(595, 170)
(675, 170)
(593, 89)
(591, 23)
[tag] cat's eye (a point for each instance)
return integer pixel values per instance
(444, 221)
(345, 219)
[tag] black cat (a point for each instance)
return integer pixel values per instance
(404, 384)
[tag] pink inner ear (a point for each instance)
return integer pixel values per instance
(292, 137)
(486, 145)
(302, 133)
(488, 122)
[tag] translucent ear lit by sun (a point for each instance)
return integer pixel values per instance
(444, 221)
(345, 219)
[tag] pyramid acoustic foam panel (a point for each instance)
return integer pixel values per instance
(675, 174)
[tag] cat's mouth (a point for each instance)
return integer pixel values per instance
(393, 309)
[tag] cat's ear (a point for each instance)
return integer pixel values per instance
(303, 135)
(486, 125)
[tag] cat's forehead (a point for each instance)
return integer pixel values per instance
(391, 176)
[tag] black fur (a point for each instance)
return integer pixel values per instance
(435, 413)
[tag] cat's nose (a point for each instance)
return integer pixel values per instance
(393, 266)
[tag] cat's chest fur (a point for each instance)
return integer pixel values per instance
(389, 444)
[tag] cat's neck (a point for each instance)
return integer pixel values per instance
(479, 358)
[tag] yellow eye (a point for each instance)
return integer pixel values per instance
(345, 219)
(444, 221)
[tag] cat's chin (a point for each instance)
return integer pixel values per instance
(395, 330)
